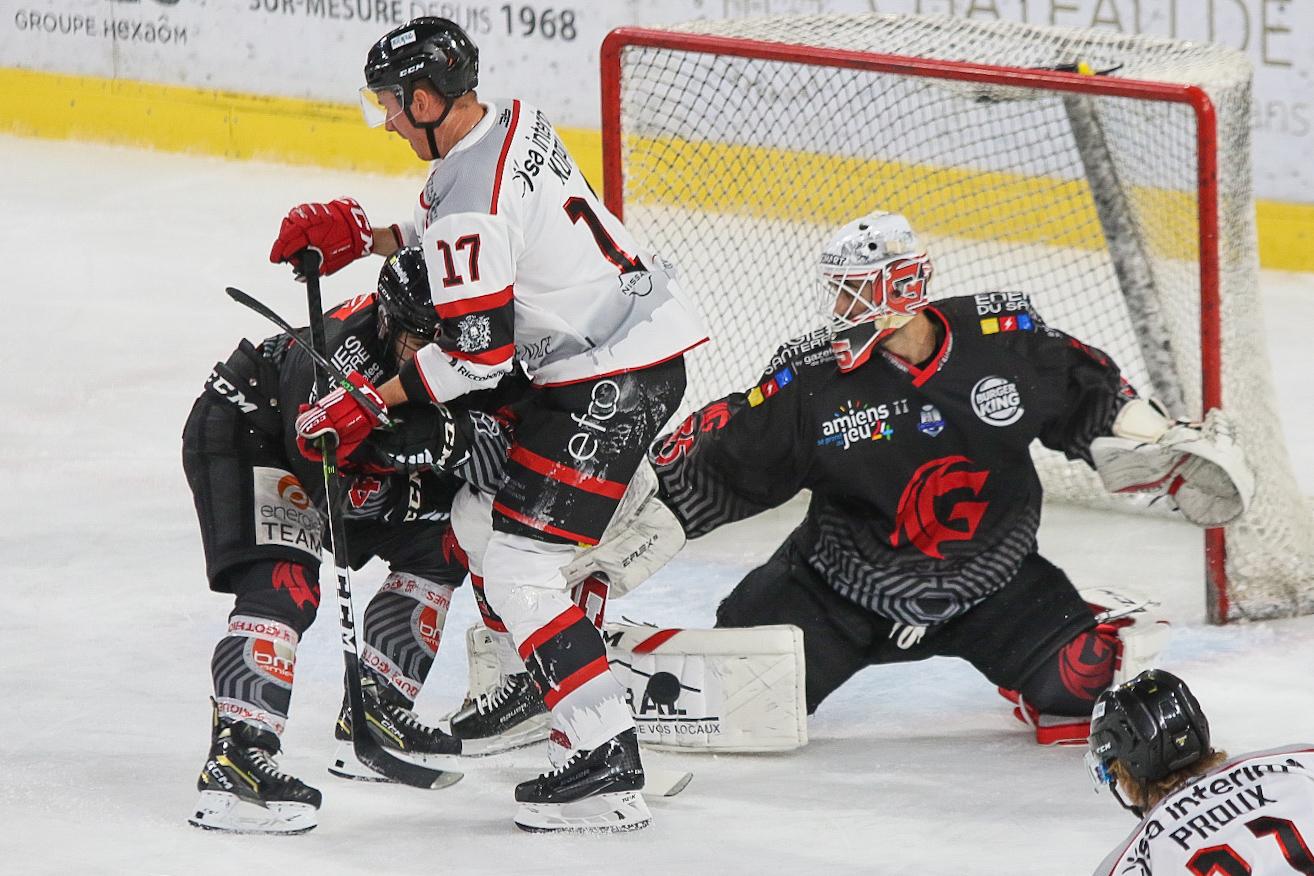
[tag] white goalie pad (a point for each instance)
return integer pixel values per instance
(713, 690)
(694, 690)
(1142, 629)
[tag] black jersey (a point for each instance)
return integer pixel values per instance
(370, 493)
(925, 499)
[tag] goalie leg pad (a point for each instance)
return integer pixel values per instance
(713, 690)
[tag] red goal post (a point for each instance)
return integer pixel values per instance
(662, 145)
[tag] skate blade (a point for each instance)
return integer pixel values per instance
(528, 732)
(346, 765)
(604, 813)
(219, 810)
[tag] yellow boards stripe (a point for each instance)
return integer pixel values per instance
(834, 189)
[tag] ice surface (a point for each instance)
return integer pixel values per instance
(112, 265)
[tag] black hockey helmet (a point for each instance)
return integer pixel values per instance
(426, 49)
(1153, 724)
(404, 300)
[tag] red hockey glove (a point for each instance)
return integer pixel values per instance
(340, 415)
(338, 230)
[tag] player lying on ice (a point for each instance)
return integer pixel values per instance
(525, 265)
(261, 509)
(912, 422)
(1200, 811)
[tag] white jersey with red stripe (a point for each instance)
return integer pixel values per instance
(1253, 814)
(526, 263)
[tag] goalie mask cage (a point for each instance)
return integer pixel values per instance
(1106, 175)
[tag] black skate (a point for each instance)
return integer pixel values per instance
(595, 791)
(510, 716)
(394, 725)
(242, 790)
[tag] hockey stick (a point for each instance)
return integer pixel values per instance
(338, 375)
(658, 782)
(367, 748)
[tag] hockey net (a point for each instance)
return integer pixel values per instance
(1106, 175)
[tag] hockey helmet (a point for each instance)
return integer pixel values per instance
(1153, 724)
(874, 278)
(426, 49)
(405, 303)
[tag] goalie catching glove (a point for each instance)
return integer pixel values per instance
(642, 537)
(1196, 466)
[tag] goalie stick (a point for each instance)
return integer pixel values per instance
(367, 748)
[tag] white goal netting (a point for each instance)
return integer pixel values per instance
(737, 166)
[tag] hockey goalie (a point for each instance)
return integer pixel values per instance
(911, 423)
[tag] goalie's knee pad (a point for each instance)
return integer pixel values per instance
(1057, 699)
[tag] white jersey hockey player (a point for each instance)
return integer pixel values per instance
(525, 264)
(1201, 812)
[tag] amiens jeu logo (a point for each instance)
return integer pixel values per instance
(855, 422)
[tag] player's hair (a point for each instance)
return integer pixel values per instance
(1144, 795)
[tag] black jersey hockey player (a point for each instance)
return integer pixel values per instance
(261, 510)
(911, 422)
(1201, 812)
(527, 266)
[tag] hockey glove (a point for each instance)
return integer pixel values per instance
(642, 537)
(1195, 466)
(338, 231)
(341, 416)
(425, 439)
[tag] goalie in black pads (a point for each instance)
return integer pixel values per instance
(911, 422)
(261, 510)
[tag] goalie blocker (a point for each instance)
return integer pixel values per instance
(695, 690)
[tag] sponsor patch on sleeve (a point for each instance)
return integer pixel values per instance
(1019, 322)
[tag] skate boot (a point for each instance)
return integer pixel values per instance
(595, 791)
(392, 723)
(510, 716)
(242, 790)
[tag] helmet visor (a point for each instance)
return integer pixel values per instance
(1100, 776)
(380, 106)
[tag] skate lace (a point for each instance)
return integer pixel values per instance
(488, 702)
(406, 718)
(264, 762)
(556, 771)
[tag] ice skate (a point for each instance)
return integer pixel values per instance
(595, 791)
(394, 725)
(242, 790)
(508, 717)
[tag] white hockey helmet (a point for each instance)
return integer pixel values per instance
(874, 278)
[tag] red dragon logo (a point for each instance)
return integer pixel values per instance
(916, 517)
(292, 578)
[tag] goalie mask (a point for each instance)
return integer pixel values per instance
(406, 314)
(874, 278)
